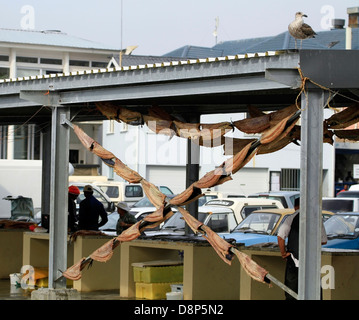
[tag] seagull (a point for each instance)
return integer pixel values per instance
(300, 30)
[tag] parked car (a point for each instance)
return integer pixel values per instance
(219, 219)
(340, 204)
(262, 226)
(242, 207)
(348, 194)
(221, 215)
(259, 227)
(209, 195)
(286, 197)
(144, 207)
(343, 231)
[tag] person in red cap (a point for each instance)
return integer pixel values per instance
(73, 194)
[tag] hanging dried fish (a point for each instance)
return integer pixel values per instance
(83, 137)
(233, 164)
(104, 253)
(273, 132)
(210, 179)
(125, 172)
(220, 245)
(189, 195)
(352, 134)
(74, 272)
(255, 271)
(234, 145)
(157, 112)
(108, 109)
(253, 125)
(192, 222)
(160, 126)
(147, 224)
(156, 197)
(345, 118)
(129, 234)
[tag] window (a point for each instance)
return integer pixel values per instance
(290, 179)
(133, 191)
(4, 58)
(74, 156)
(4, 73)
(51, 61)
(97, 64)
(27, 59)
(79, 63)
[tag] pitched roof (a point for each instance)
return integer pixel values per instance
(50, 38)
(195, 52)
(332, 39)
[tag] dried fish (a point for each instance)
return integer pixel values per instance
(345, 118)
(255, 271)
(220, 245)
(74, 272)
(253, 125)
(104, 253)
(352, 134)
(125, 172)
(192, 222)
(191, 194)
(156, 197)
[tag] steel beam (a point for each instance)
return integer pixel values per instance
(311, 195)
(58, 197)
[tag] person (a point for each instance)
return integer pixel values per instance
(345, 188)
(290, 229)
(90, 211)
(126, 219)
(73, 194)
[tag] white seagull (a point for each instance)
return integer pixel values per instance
(300, 30)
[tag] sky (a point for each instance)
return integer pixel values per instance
(161, 26)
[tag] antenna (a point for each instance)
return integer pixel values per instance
(120, 60)
(215, 32)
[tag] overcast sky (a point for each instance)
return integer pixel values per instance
(160, 26)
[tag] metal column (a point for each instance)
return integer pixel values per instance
(58, 197)
(192, 171)
(311, 195)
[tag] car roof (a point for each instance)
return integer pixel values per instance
(231, 201)
(354, 213)
(277, 211)
(279, 193)
(214, 209)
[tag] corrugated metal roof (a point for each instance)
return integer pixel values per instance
(50, 38)
(163, 64)
(195, 52)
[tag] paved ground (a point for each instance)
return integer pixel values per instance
(11, 292)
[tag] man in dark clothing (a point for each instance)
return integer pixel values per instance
(90, 211)
(73, 194)
(290, 229)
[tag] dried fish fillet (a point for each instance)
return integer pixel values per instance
(191, 194)
(233, 164)
(255, 271)
(129, 234)
(125, 172)
(220, 245)
(345, 118)
(74, 272)
(352, 134)
(192, 222)
(104, 253)
(253, 125)
(156, 197)
(83, 137)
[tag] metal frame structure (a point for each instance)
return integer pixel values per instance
(188, 89)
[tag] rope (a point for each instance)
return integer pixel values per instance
(303, 90)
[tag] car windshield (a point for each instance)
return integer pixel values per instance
(258, 222)
(145, 202)
(177, 221)
(333, 205)
(342, 226)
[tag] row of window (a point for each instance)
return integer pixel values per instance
(78, 63)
